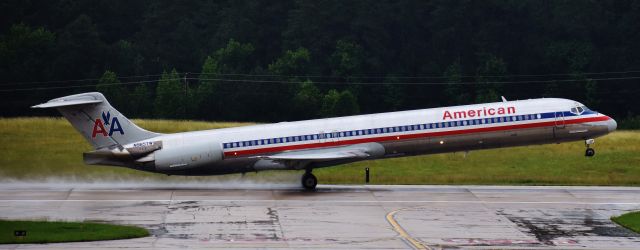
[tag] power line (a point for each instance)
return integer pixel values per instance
(425, 83)
(422, 77)
(229, 81)
(73, 80)
(86, 85)
(334, 77)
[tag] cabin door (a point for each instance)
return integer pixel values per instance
(558, 129)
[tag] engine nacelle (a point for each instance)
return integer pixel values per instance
(179, 153)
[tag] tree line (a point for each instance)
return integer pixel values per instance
(289, 60)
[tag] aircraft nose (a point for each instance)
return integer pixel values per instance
(612, 124)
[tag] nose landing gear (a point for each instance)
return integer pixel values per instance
(309, 181)
(590, 151)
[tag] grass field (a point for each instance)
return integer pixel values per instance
(629, 220)
(54, 232)
(37, 148)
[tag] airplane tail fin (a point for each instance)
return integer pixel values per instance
(99, 123)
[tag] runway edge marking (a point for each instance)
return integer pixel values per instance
(396, 226)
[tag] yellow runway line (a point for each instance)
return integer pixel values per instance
(415, 243)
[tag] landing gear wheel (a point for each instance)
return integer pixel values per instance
(309, 181)
(590, 152)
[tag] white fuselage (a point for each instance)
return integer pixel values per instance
(458, 128)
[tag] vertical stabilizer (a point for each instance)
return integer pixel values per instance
(99, 123)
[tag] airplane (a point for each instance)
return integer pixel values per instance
(310, 144)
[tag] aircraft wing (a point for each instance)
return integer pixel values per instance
(330, 155)
(358, 151)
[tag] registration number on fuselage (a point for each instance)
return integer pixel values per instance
(143, 144)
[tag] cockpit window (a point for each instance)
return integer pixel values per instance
(579, 108)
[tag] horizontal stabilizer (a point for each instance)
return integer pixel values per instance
(117, 153)
(68, 101)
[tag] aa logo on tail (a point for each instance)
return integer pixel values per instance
(112, 123)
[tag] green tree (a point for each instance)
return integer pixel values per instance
(206, 97)
(307, 101)
(235, 58)
(141, 102)
(291, 66)
(80, 51)
(591, 93)
(125, 59)
(114, 91)
(347, 58)
(170, 100)
(236, 100)
(291, 63)
(489, 74)
(347, 104)
(329, 101)
(456, 93)
(336, 103)
(25, 53)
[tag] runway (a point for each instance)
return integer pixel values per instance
(338, 217)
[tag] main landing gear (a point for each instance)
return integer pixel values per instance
(309, 181)
(590, 151)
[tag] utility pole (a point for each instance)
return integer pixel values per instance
(186, 96)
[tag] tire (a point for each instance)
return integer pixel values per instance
(309, 181)
(590, 152)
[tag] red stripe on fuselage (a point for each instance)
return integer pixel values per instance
(408, 136)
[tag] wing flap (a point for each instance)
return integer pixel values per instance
(360, 151)
(336, 155)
